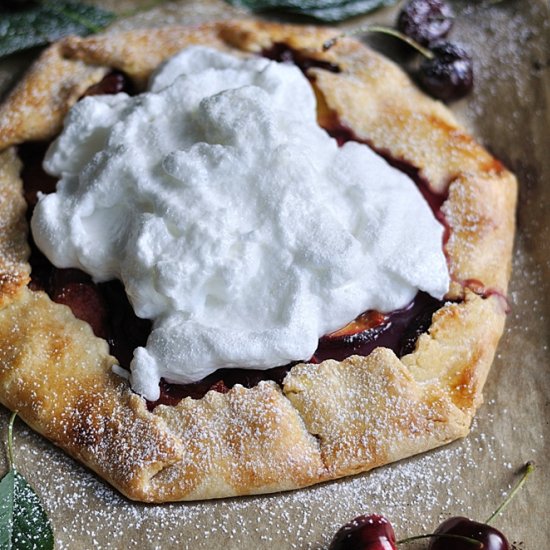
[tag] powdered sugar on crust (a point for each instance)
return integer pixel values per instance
(85, 512)
(14, 269)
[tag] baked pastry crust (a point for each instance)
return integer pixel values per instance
(328, 420)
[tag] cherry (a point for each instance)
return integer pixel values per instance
(491, 538)
(425, 21)
(448, 74)
(372, 532)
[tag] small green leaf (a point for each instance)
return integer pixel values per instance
(24, 524)
(324, 10)
(6, 509)
(31, 527)
(41, 23)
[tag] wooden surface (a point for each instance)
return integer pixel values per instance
(510, 112)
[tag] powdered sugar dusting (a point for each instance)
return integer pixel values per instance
(87, 512)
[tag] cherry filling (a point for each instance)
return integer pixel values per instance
(282, 53)
(398, 330)
(106, 308)
(112, 83)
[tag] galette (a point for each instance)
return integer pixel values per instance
(233, 262)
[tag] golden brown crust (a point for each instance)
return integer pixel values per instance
(35, 108)
(57, 374)
(14, 269)
(480, 212)
(328, 420)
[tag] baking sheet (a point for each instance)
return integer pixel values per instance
(510, 112)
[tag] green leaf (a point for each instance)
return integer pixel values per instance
(31, 527)
(324, 10)
(24, 524)
(42, 23)
(6, 509)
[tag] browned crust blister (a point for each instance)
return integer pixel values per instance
(328, 420)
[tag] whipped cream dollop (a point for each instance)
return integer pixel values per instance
(236, 224)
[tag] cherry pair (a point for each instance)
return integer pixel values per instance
(446, 72)
(374, 532)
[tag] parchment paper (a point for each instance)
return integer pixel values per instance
(510, 112)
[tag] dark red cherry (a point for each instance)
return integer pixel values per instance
(425, 21)
(449, 75)
(373, 532)
(491, 538)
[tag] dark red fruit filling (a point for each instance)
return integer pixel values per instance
(282, 53)
(113, 83)
(106, 308)
(398, 330)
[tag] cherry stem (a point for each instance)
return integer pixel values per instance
(529, 467)
(383, 30)
(11, 462)
(478, 543)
